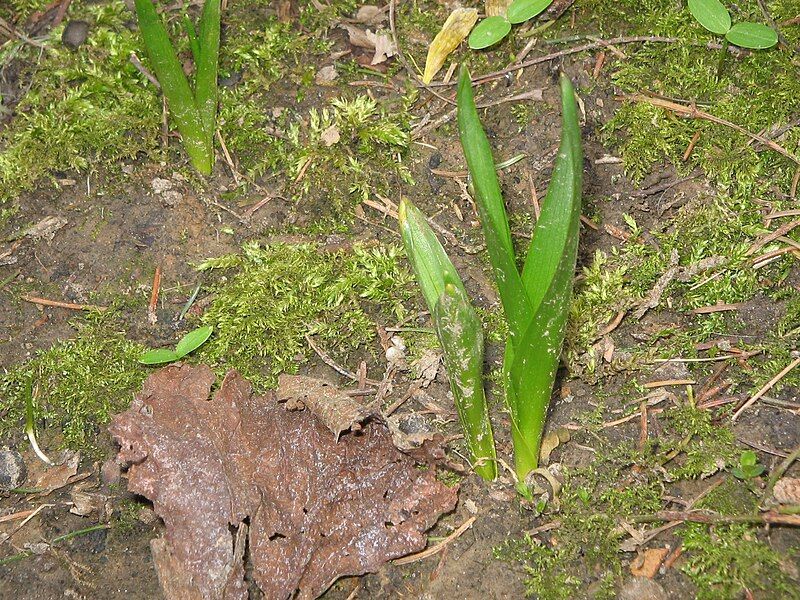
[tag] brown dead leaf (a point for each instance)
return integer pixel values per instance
(58, 476)
(426, 367)
(646, 563)
(787, 490)
(330, 136)
(318, 509)
(380, 43)
(337, 411)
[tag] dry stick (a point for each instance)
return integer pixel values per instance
(668, 382)
(433, 550)
(770, 518)
(761, 242)
(715, 308)
(766, 388)
(694, 113)
(152, 317)
(58, 304)
(612, 325)
(143, 70)
(795, 181)
(690, 147)
(330, 362)
(548, 57)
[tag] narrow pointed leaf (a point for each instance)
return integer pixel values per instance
(755, 36)
(492, 210)
(207, 66)
(455, 29)
(158, 357)
(193, 340)
(522, 10)
(488, 32)
(169, 72)
(533, 360)
(188, 27)
(459, 332)
(429, 261)
(711, 14)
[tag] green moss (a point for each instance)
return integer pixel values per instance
(724, 561)
(81, 383)
(268, 298)
(88, 108)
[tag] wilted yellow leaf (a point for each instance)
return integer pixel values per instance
(497, 7)
(455, 29)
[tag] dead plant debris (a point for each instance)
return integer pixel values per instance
(239, 469)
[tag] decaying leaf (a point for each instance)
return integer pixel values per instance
(455, 29)
(337, 411)
(551, 441)
(59, 475)
(318, 508)
(646, 563)
(426, 367)
(380, 43)
(787, 490)
(496, 7)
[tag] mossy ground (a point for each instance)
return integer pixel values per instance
(90, 112)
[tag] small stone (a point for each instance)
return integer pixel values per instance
(110, 472)
(641, 588)
(75, 33)
(147, 515)
(12, 470)
(326, 75)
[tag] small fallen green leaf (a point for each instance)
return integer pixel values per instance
(488, 32)
(755, 36)
(711, 14)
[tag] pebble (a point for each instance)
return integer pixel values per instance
(12, 470)
(110, 472)
(75, 33)
(641, 588)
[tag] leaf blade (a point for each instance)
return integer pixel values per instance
(523, 10)
(488, 32)
(193, 340)
(455, 29)
(755, 36)
(711, 14)
(158, 357)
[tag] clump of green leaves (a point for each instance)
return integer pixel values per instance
(496, 27)
(748, 467)
(189, 343)
(194, 110)
(268, 298)
(81, 383)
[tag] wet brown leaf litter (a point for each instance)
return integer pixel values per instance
(239, 470)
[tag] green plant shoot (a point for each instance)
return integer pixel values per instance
(713, 15)
(459, 331)
(535, 301)
(194, 110)
(748, 467)
(189, 343)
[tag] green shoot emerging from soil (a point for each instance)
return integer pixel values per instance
(535, 301)
(194, 111)
(713, 15)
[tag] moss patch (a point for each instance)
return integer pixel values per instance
(81, 383)
(268, 298)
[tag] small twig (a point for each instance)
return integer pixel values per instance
(668, 382)
(143, 70)
(228, 158)
(577, 49)
(690, 147)
(612, 325)
(58, 304)
(695, 113)
(767, 386)
(332, 364)
(433, 550)
(715, 308)
(152, 316)
(771, 518)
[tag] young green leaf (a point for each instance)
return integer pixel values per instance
(459, 332)
(523, 10)
(488, 32)
(489, 200)
(532, 361)
(193, 340)
(711, 14)
(207, 66)
(755, 36)
(429, 261)
(158, 357)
